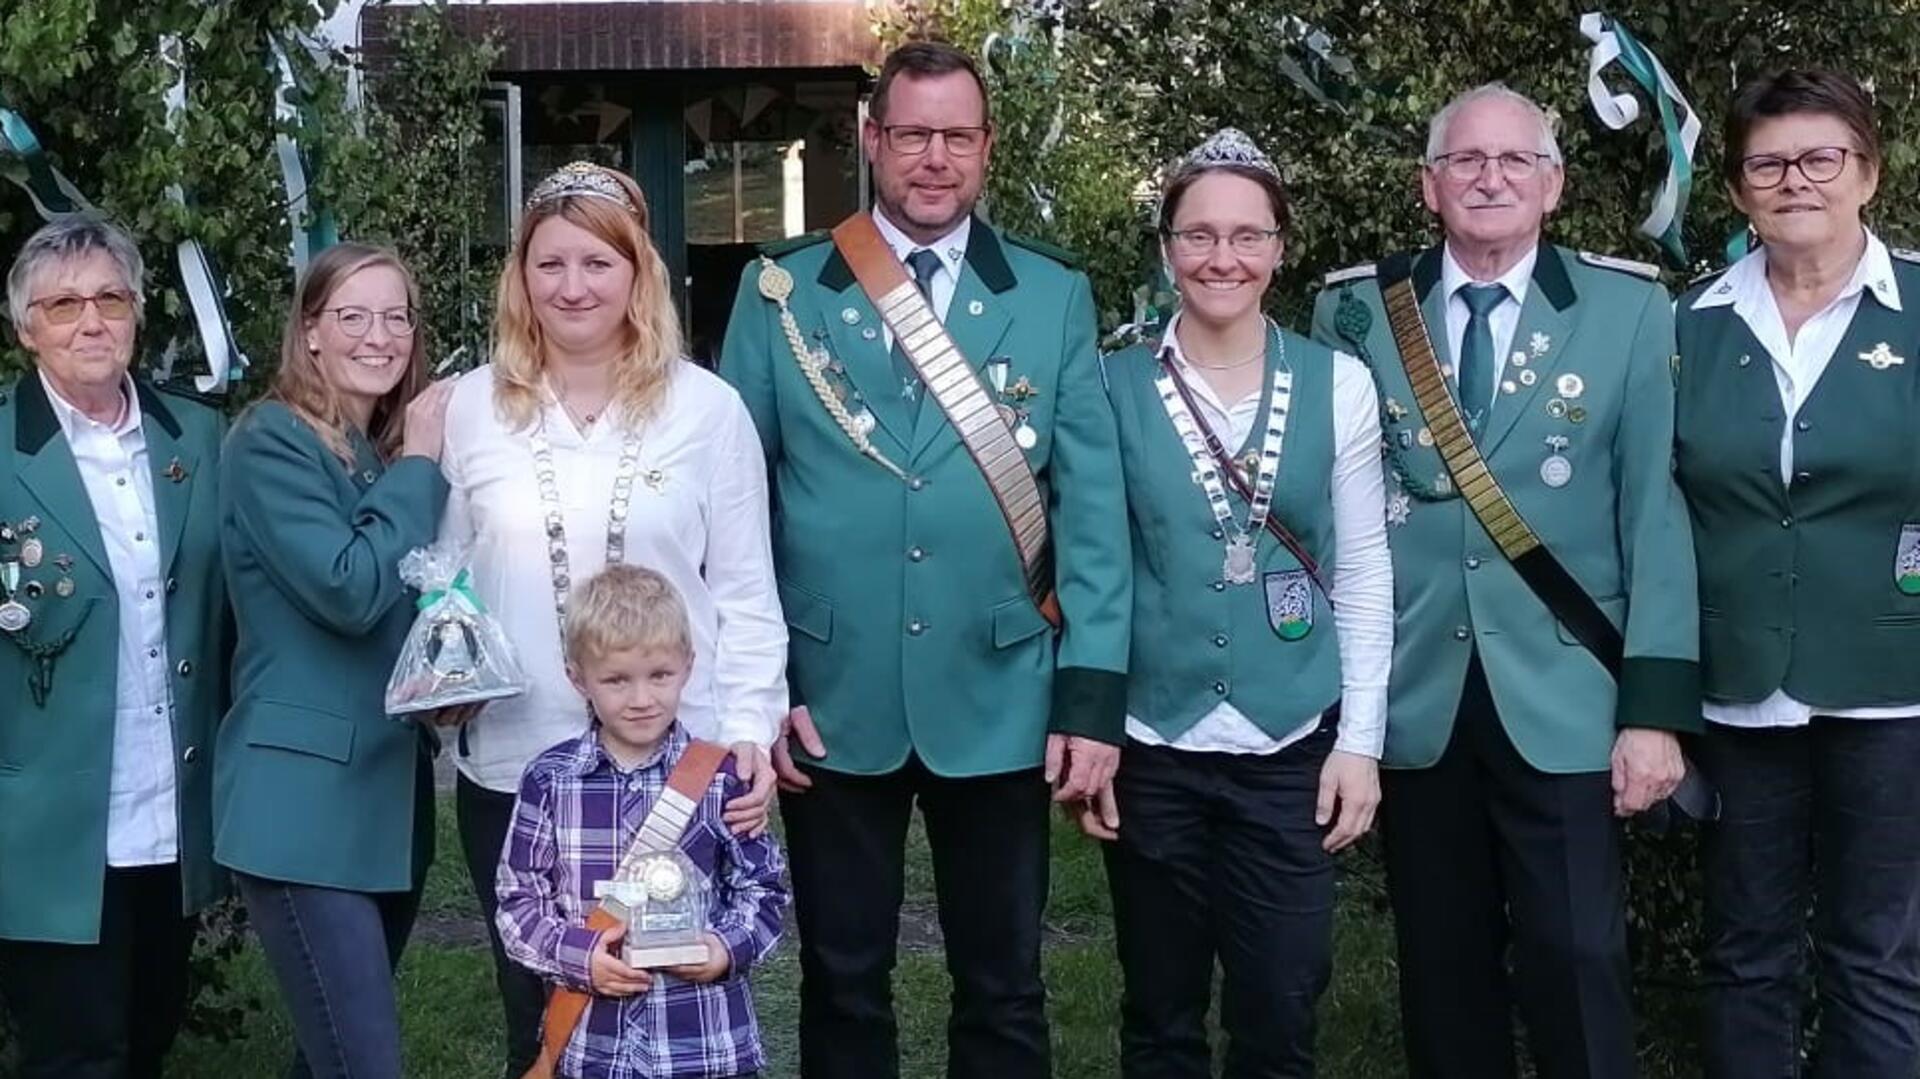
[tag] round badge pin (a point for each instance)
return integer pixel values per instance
(1570, 385)
(1556, 407)
(31, 552)
(14, 616)
(1424, 436)
(1556, 471)
(63, 587)
(1577, 414)
(849, 316)
(1025, 437)
(1528, 378)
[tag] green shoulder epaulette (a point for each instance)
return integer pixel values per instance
(791, 244)
(1042, 247)
(1628, 266)
(1904, 254)
(1351, 273)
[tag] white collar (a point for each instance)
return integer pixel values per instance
(1516, 279)
(952, 248)
(1744, 284)
(72, 418)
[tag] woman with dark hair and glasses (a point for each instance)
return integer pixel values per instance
(1797, 450)
(1256, 710)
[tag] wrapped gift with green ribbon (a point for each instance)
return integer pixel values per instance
(456, 653)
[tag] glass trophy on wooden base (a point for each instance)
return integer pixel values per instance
(664, 900)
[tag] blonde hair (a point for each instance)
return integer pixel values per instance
(302, 386)
(652, 340)
(624, 607)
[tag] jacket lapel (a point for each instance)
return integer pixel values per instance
(859, 344)
(977, 320)
(48, 471)
(1541, 317)
(174, 468)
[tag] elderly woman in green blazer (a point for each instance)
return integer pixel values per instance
(323, 805)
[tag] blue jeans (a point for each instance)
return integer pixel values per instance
(333, 953)
(1824, 817)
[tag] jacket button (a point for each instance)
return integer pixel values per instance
(915, 554)
(1461, 633)
(1802, 477)
(916, 627)
(1220, 688)
(916, 483)
(1219, 586)
(1219, 640)
(1802, 425)
(191, 754)
(1473, 561)
(1786, 522)
(1217, 534)
(172, 586)
(186, 668)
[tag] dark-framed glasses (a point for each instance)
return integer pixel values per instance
(1820, 165)
(1195, 243)
(910, 140)
(356, 321)
(1463, 166)
(114, 305)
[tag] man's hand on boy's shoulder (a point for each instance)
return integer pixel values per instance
(612, 977)
(715, 968)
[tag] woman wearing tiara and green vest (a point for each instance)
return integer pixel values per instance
(1799, 455)
(1256, 709)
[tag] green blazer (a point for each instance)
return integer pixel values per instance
(56, 756)
(1800, 587)
(315, 784)
(1210, 640)
(1599, 335)
(911, 627)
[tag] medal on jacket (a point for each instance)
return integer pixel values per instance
(14, 615)
(1239, 566)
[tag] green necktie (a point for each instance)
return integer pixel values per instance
(924, 263)
(1474, 380)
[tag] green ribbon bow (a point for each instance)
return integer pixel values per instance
(461, 585)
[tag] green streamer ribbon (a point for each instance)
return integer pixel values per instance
(23, 161)
(460, 586)
(1612, 42)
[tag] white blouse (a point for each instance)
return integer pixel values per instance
(698, 516)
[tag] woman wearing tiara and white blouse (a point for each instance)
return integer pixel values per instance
(1256, 709)
(591, 440)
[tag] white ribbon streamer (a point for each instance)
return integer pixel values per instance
(224, 358)
(1617, 111)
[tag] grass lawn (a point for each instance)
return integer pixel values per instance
(451, 1019)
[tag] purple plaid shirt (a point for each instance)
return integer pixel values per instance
(575, 818)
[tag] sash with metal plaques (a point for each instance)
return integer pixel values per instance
(1537, 566)
(666, 822)
(954, 385)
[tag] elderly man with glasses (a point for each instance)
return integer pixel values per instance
(1547, 627)
(947, 474)
(113, 654)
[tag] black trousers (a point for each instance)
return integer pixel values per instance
(1825, 818)
(108, 1010)
(1219, 856)
(1486, 854)
(484, 816)
(846, 843)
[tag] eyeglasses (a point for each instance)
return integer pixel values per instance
(356, 321)
(912, 141)
(1821, 165)
(1194, 243)
(1465, 165)
(113, 305)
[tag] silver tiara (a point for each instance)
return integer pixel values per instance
(581, 179)
(1228, 146)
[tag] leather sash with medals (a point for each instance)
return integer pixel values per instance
(953, 385)
(1536, 565)
(665, 823)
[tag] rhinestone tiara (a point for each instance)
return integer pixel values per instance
(581, 179)
(1228, 146)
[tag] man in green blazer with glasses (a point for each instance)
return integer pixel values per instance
(922, 589)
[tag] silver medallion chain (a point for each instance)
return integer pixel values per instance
(558, 563)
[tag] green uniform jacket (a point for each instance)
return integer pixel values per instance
(1800, 587)
(315, 784)
(1599, 337)
(1212, 641)
(56, 758)
(911, 627)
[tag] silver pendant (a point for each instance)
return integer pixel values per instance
(1556, 471)
(1239, 568)
(31, 552)
(1025, 437)
(14, 616)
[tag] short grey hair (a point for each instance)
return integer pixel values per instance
(72, 236)
(1492, 91)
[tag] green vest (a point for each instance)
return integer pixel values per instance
(1797, 585)
(1204, 640)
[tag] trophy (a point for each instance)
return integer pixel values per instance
(663, 898)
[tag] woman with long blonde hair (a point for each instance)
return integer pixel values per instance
(322, 805)
(590, 440)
